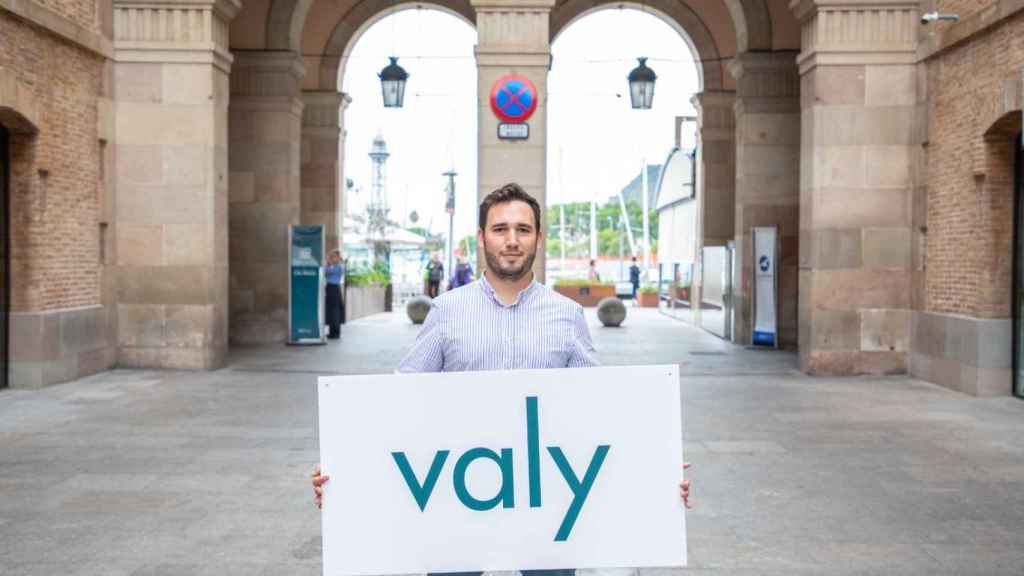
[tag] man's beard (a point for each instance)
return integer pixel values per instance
(513, 274)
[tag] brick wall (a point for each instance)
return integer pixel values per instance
(969, 174)
(964, 8)
(55, 187)
(81, 12)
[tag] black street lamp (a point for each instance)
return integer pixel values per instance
(392, 83)
(641, 86)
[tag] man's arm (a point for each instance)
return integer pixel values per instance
(427, 353)
(583, 353)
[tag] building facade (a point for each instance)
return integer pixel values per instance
(157, 151)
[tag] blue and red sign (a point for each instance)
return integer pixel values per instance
(514, 98)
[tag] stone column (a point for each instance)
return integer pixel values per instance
(323, 181)
(266, 131)
(716, 179)
(767, 180)
(513, 37)
(171, 99)
(858, 92)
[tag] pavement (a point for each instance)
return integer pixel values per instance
(146, 473)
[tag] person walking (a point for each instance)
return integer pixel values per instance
(592, 275)
(334, 273)
(634, 277)
(463, 274)
(435, 274)
(506, 319)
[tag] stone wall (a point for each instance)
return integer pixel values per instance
(963, 322)
(53, 60)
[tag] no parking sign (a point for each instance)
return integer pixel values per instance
(513, 100)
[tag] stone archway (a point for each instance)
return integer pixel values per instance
(677, 15)
(18, 126)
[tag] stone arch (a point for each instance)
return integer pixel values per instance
(285, 23)
(685, 21)
(18, 110)
(993, 212)
(360, 18)
(753, 24)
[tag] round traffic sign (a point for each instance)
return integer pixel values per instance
(513, 98)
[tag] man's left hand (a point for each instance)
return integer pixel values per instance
(684, 488)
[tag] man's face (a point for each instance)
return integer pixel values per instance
(510, 240)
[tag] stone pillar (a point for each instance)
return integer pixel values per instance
(513, 38)
(266, 131)
(716, 179)
(767, 180)
(171, 99)
(858, 93)
(323, 181)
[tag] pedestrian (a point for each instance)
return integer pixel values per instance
(592, 276)
(435, 273)
(463, 274)
(467, 329)
(334, 272)
(634, 277)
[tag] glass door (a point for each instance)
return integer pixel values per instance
(1018, 270)
(5, 250)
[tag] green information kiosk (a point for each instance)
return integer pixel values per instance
(305, 285)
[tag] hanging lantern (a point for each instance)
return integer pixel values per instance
(392, 83)
(641, 86)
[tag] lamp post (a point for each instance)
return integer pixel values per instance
(450, 207)
(392, 83)
(641, 86)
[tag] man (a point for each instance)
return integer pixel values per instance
(435, 273)
(634, 277)
(505, 319)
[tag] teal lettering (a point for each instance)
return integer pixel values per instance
(421, 492)
(533, 450)
(505, 496)
(580, 490)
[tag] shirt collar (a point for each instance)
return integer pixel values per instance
(489, 290)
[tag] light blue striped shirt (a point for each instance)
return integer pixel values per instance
(470, 329)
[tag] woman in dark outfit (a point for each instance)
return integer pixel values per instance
(334, 272)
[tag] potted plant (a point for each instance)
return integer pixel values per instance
(587, 293)
(648, 296)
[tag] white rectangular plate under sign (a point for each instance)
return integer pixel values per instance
(509, 470)
(513, 131)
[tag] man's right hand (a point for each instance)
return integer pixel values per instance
(318, 481)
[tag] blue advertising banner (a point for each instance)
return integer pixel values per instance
(305, 285)
(765, 255)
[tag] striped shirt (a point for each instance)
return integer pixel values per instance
(470, 329)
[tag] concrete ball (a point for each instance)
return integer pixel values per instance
(418, 308)
(611, 311)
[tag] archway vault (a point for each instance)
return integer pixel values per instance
(693, 30)
(323, 31)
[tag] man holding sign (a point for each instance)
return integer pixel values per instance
(503, 321)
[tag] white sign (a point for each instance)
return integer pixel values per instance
(521, 469)
(513, 131)
(764, 333)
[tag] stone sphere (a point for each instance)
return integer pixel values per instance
(611, 311)
(417, 309)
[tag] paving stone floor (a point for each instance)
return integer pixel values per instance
(176, 473)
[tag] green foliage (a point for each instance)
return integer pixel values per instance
(648, 289)
(377, 275)
(609, 228)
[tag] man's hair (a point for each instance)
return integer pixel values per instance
(509, 193)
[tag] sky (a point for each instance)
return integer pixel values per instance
(596, 141)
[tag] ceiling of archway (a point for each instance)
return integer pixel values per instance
(718, 28)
